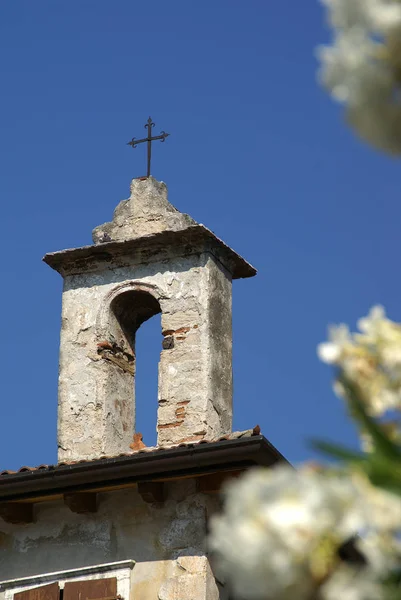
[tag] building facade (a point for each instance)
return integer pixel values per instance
(114, 518)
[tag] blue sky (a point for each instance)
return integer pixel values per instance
(257, 152)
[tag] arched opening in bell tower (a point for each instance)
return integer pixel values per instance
(148, 348)
(132, 309)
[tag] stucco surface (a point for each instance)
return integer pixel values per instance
(167, 542)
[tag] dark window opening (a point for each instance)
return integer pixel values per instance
(148, 347)
(131, 309)
(142, 335)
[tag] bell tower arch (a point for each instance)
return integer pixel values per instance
(149, 259)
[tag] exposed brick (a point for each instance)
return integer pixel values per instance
(137, 443)
(168, 425)
(176, 331)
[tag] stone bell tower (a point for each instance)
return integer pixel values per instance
(149, 259)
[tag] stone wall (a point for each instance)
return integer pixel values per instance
(167, 542)
(97, 356)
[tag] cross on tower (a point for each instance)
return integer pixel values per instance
(149, 139)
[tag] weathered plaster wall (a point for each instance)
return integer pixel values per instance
(220, 380)
(146, 211)
(167, 542)
(96, 388)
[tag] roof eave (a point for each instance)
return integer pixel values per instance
(159, 465)
(88, 258)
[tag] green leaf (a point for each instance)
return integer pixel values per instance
(384, 473)
(382, 443)
(339, 452)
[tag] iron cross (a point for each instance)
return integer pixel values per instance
(149, 139)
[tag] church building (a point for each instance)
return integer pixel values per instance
(114, 519)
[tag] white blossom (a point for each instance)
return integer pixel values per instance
(380, 15)
(349, 584)
(361, 68)
(385, 335)
(348, 69)
(371, 360)
(330, 352)
(369, 325)
(279, 535)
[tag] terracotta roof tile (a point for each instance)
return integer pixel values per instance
(232, 436)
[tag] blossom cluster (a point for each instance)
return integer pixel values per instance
(305, 534)
(317, 533)
(370, 360)
(362, 67)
